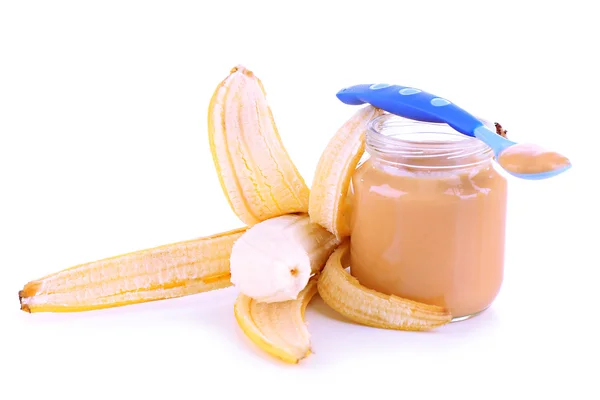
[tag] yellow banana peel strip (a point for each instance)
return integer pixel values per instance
(342, 292)
(163, 272)
(278, 328)
(256, 173)
(327, 203)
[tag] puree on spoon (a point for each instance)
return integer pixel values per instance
(531, 159)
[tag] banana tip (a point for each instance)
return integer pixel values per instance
(240, 68)
(29, 290)
(24, 307)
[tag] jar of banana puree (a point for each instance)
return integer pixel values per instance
(428, 216)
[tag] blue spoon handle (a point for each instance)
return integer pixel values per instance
(411, 103)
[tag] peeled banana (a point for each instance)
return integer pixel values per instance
(277, 328)
(342, 292)
(255, 171)
(289, 250)
(327, 203)
(174, 270)
(274, 259)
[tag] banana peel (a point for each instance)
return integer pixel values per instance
(277, 328)
(256, 173)
(159, 273)
(328, 202)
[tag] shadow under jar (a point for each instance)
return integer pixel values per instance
(428, 216)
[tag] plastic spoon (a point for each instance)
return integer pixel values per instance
(416, 104)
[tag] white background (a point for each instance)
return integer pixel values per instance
(104, 150)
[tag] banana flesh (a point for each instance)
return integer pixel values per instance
(342, 292)
(274, 259)
(255, 171)
(277, 328)
(328, 205)
(174, 270)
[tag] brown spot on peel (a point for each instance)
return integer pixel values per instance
(499, 130)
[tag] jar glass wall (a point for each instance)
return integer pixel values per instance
(428, 216)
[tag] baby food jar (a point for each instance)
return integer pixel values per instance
(428, 218)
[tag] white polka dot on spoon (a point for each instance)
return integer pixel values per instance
(379, 86)
(409, 91)
(439, 102)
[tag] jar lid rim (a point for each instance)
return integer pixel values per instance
(393, 135)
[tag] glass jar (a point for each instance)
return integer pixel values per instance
(428, 216)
